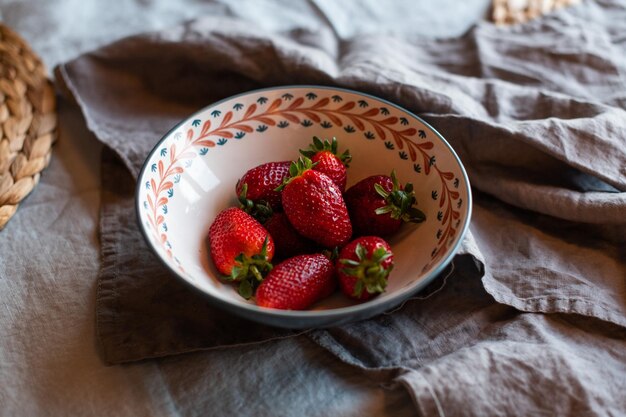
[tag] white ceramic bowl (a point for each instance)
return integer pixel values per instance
(191, 174)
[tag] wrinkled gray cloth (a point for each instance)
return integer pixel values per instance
(49, 261)
(537, 115)
(143, 311)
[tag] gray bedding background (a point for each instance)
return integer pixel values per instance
(480, 357)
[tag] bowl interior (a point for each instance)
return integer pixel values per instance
(191, 174)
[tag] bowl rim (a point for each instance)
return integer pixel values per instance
(391, 301)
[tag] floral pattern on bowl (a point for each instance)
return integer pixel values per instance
(190, 176)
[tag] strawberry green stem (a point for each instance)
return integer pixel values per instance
(260, 210)
(296, 169)
(400, 202)
(325, 146)
(249, 271)
(370, 274)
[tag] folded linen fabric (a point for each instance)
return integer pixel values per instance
(536, 113)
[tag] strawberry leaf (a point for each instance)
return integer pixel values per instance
(349, 262)
(260, 210)
(358, 288)
(249, 272)
(381, 191)
(320, 145)
(370, 274)
(296, 169)
(361, 252)
(400, 202)
(245, 289)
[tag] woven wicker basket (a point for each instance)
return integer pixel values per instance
(510, 12)
(27, 121)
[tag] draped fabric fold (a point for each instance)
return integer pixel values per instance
(537, 114)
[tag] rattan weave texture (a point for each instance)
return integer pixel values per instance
(28, 123)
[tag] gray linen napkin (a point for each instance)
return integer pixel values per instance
(536, 113)
(459, 353)
(142, 310)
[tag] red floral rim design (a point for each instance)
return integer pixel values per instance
(354, 116)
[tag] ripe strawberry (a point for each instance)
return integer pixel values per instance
(257, 188)
(287, 241)
(378, 205)
(324, 156)
(297, 283)
(314, 205)
(241, 249)
(363, 266)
